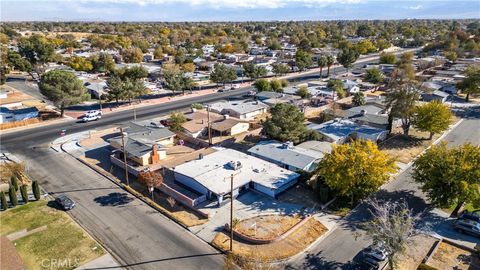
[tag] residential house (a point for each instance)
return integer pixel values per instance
(435, 96)
(210, 175)
(247, 110)
(288, 156)
(197, 123)
(12, 115)
(229, 127)
(340, 130)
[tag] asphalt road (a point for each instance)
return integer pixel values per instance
(139, 236)
(28, 87)
(342, 248)
(135, 234)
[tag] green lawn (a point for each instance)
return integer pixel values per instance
(62, 240)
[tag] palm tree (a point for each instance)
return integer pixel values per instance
(322, 62)
(330, 62)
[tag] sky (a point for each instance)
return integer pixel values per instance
(234, 10)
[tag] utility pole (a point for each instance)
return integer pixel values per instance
(209, 126)
(125, 156)
(231, 213)
(134, 112)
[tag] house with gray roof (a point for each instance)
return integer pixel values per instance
(340, 130)
(436, 95)
(288, 156)
(242, 110)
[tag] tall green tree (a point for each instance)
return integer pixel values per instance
(358, 99)
(12, 194)
(36, 190)
(24, 193)
(262, 85)
(322, 62)
(36, 49)
(14, 182)
(63, 88)
(80, 63)
(337, 87)
(177, 120)
(103, 62)
(132, 55)
(116, 88)
(280, 69)
(253, 71)
(347, 57)
(303, 60)
(471, 83)
(433, 117)
(19, 63)
(356, 169)
(286, 124)
(3, 200)
(387, 58)
(223, 74)
(330, 62)
(450, 176)
(374, 75)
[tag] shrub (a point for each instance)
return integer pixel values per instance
(23, 192)
(3, 199)
(14, 182)
(13, 196)
(197, 106)
(36, 190)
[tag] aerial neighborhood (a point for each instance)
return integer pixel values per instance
(247, 145)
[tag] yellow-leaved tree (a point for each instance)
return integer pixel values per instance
(356, 169)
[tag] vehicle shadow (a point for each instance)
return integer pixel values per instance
(114, 199)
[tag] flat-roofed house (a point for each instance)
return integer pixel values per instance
(210, 175)
(241, 110)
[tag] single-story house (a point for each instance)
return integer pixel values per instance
(197, 122)
(338, 131)
(287, 156)
(230, 126)
(210, 175)
(371, 115)
(12, 115)
(436, 95)
(242, 110)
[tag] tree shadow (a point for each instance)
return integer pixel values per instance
(317, 261)
(113, 199)
(472, 112)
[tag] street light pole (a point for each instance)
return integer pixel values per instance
(134, 112)
(125, 156)
(231, 213)
(209, 126)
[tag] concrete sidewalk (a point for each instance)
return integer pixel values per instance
(104, 262)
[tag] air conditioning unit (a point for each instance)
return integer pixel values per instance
(235, 165)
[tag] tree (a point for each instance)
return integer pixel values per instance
(133, 73)
(177, 120)
(12, 194)
(36, 190)
(132, 55)
(365, 46)
(401, 100)
(337, 87)
(173, 77)
(393, 226)
(433, 117)
(356, 169)
(471, 83)
(23, 192)
(347, 57)
(103, 62)
(358, 99)
(158, 52)
(322, 62)
(63, 88)
(280, 69)
(3, 200)
(14, 182)
(223, 74)
(36, 49)
(451, 56)
(116, 89)
(80, 63)
(387, 58)
(151, 180)
(406, 58)
(276, 85)
(253, 71)
(302, 92)
(373, 75)
(303, 60)
(285, 124)
(188, 67)
(330, 62)
(450, 176)
(16, 60)
(262, 85)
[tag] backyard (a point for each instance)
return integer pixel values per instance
(448, 256)
(56, 237)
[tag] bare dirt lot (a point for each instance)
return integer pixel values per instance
(449, 256)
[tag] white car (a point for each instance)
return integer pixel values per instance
(93, 113)
(377, 252)
(90, 117)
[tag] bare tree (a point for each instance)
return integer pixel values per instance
(151, 180)
(393, 226)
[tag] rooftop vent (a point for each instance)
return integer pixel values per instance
(235, 165)
(287, 145)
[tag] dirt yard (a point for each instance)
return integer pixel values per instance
(293, 244)
(267, 226)
(448, 256)
(415, 253)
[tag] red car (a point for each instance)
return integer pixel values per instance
(166, 122)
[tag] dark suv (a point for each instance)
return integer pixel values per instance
(65, 202)
(474, 215)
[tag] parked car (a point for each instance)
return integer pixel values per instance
(166, 122)
(468, 226)
(235, 86)
(89, 118)
(250, 93)
(376, 252)
(65, 202)
(370, 264)
(93, 113)
(474, 215)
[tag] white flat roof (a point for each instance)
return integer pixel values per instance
(213, 171)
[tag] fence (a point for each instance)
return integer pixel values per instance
(21, 123)
(132, 170)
